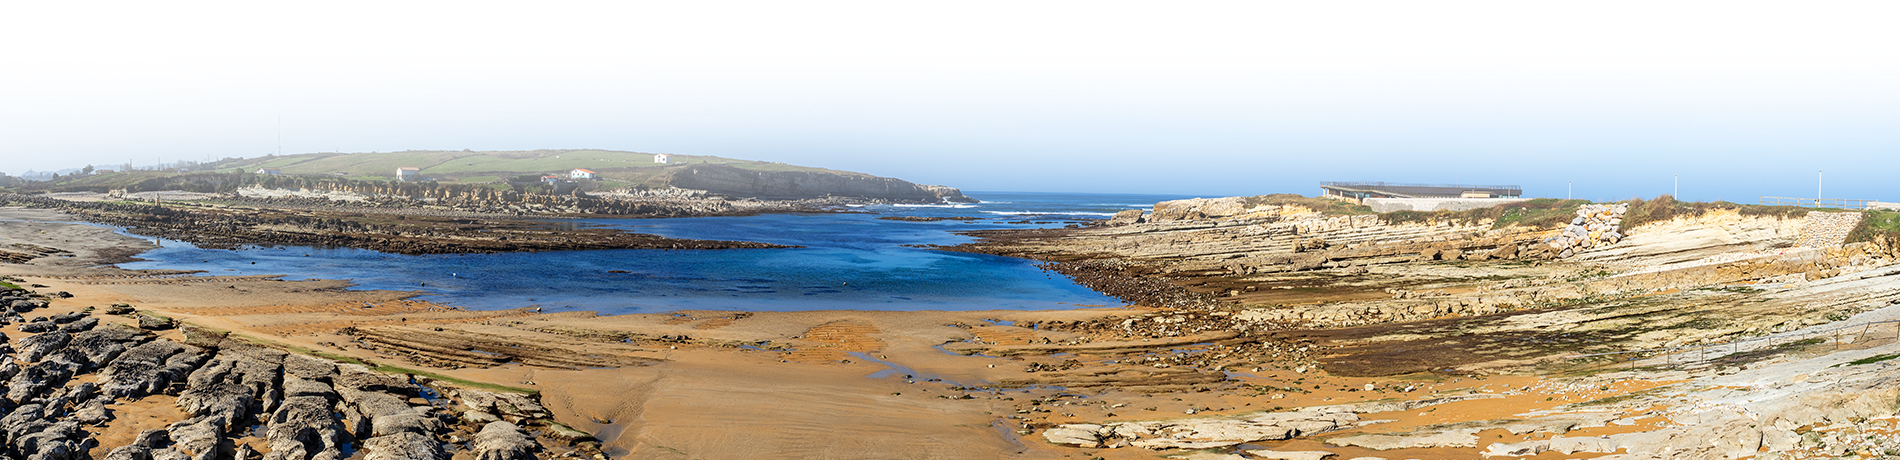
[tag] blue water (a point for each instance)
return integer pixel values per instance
(848, 261)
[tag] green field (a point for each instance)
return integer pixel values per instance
(483, 167)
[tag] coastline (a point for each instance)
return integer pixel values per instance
(845, 383)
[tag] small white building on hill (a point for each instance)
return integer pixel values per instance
(580, 174)
(662, 158)
(407, 174)
(270, 171)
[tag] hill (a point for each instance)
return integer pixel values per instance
(614, 167)
(518, 171)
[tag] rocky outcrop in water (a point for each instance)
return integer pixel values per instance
(225, 227)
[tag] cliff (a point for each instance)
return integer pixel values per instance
(728, 180)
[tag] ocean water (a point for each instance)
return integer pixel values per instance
(849, 261)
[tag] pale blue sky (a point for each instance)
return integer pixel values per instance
(1219, 98)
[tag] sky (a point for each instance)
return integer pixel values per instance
(1603, 100)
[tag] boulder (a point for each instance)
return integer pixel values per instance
(130, 453)
(154, 322)
(1127, 217)
(38, 346)
(37, 379)
(149, 368)
(230, 388)
(68, 317)
(310, 368)
(506, 404)
(503, 441)
(1075, 435)
(567, 433)
(475, 417)
(304, 427)
(403, 446)
(100, 346)
(198, 438)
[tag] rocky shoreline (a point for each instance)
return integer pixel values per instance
(70, 385)
(223, 226)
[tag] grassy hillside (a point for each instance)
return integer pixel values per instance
(482, 167)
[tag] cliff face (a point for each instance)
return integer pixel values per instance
(733, 181)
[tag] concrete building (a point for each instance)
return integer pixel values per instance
(408, 174)
(662, 158)
(1357, 192)
(580, 174)
(270, 171)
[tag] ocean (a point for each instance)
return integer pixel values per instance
(849, 261)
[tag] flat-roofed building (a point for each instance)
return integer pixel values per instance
(1358, 191)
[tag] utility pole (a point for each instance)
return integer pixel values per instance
(1567, 189)
(1677, 193)
(1819, 174)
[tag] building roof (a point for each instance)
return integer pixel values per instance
(589, 171)
(1421, 190)
(406, 168)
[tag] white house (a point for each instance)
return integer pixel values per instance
(270, 171)
(407, 174)
(662, 158)
(580, 174)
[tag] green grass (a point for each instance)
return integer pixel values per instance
(1325, 206)
(480, 179)
(1873, 359)
(10, 285)
(461, 382)
(1538, 213)
(1666, 207)
(1875, 225)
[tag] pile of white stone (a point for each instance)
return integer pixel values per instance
(1595, 225)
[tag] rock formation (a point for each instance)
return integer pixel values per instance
(236, 394)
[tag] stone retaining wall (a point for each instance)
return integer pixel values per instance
(1828, 229)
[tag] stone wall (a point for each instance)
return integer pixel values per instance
(1826, 229)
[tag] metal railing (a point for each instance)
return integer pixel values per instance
(1675, 356)
(1512, 188)
(1837, 203)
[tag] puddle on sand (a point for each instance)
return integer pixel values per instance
(898, 370)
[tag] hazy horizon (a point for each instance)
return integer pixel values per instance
(1204, 99)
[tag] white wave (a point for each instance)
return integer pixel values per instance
(951, 206)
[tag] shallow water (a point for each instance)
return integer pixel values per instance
(849, 261)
